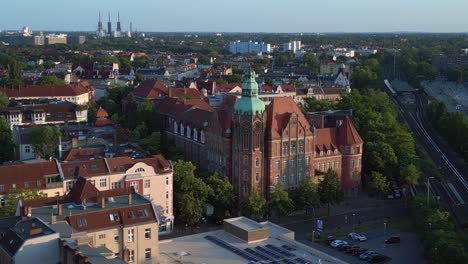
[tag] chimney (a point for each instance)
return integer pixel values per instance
(35, 231)
(130, 198)
(59, 209)
(126, 255)
(77, 251)
(103, 201)
(53, 219)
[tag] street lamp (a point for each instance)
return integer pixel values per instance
(428, 185)
(354, 217)
(313, 236)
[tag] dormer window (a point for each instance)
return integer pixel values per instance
(181, 129)
(114, 217)
(175, 128)
(195, 134)
(81, 222)
(328, 152)
(188, 132)
(321, 153)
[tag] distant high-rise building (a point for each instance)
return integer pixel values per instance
(249, 47)
(100, 31)
(293, 46)
(109, 27)
(118, 32)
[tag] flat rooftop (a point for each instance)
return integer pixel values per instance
(222, 247)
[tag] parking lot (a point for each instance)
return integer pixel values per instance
(407, 251)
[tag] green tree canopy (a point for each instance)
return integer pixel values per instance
(45, 141)
(50, 80)
(329, 189)
(190, 193)
(378, 184)
(222, 196)
(279, 201)
(4, 101)
(306, 196)
(12, 199)
(6, 141)
(409, 174)
(253, 205)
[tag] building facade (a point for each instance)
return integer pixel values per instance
(258, 146)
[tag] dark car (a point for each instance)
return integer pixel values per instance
(392, 240)
(344, 247)
(360, 251)
(378, 259)
(352, 249)
(329, 240)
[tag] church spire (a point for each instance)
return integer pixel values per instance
(249, 103)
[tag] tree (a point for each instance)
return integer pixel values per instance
(235, 78)
(306, 196)
(222, 196)
(190, 193)
(12, 199)
(6, 141)
(45, 141)
(138, 79)
(253, 205)
(50, 80)
(378, 184)
(279, 201)
(329, 189)
(151, 143)
(4, 101)
(409, 174)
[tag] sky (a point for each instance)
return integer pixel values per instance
(240, 15)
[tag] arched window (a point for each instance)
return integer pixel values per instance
(257, 162)
(276, 179)
(175, 128)
(139, 170)
(181, 129)
(195, 134)
(202, 137)
(188, 132)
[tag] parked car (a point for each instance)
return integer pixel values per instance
(352, 249)
(378, 259)
(357, 236)
(367, 254)
(336, 243)
(392, 240)
(360, 251)
(343, 247)
(329, 240)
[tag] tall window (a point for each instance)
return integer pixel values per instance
(181, 129)
(134, 184)
(276, 179)
(277, 164)
(257, 162)
(245, 175)
(245, 159)
(257, 177)
(132, 256)
(188, 132)
(293, 147)
(352, 163)
(148, 253)
(27, 149)
(130, 235)
(300, 144)
(147, 233)
(284, 178)
(103, 182)
(285, 149)
(167, 180)
(147, 183)
(202, 137)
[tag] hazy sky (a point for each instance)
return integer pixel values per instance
(241, 15)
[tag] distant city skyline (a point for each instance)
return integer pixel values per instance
(240, 16)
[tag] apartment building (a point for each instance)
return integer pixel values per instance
(120, 222)
(151, 178)
(78, 93)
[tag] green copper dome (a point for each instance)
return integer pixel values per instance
(249, 104)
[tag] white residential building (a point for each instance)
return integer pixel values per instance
(249, 47)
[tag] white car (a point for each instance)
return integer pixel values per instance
(357, 236)
(336, 243)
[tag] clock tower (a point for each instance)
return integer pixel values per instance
(248, 141)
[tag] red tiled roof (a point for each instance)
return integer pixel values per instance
(226, 87)
(347, 133)
(122, 164)
(87, 168)
(325, 139)
(150, 89)
(100, 219)
(44, 91)
(19, 174)
(87, 153)
(278, 115)
(82, 191)
(102, 113)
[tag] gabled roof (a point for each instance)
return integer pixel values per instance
(82, 191)
(101, 113)
(86, 168)
(150, 89)
(31, 173)
(46, 91)
(347, 133)
(279, 112)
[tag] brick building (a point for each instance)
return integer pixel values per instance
(257, 146)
